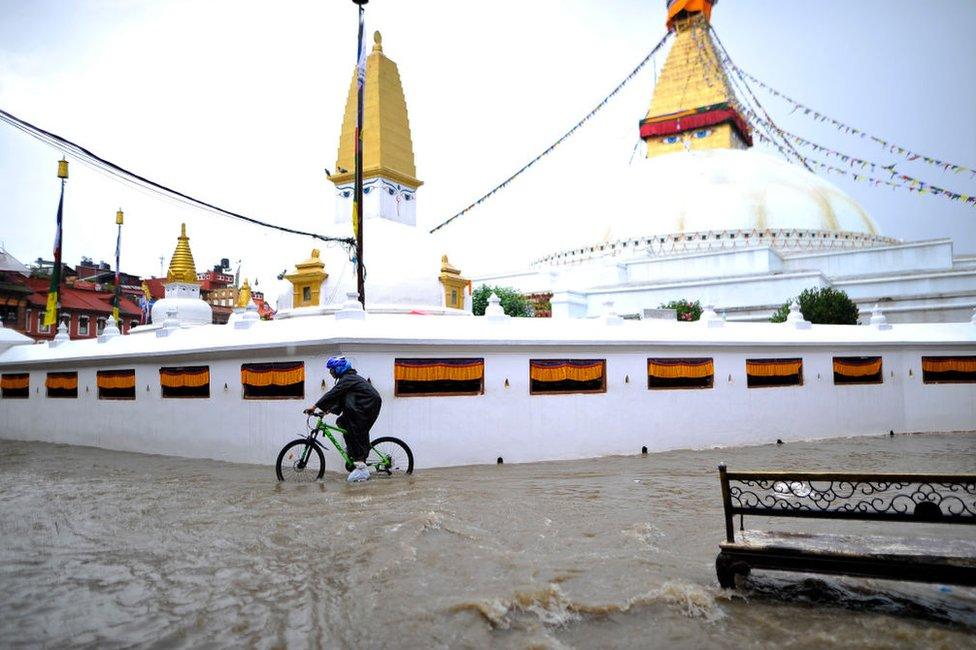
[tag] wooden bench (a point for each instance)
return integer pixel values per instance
(915, 498)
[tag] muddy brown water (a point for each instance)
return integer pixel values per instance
(109, 549)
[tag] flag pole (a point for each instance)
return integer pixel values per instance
(52, 313)
(119, 216)
(357, 205)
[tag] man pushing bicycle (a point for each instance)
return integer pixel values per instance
(358, 405)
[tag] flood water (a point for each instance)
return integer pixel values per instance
(110, 549)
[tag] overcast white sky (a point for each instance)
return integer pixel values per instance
(240, 103)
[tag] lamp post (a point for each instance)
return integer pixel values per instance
(357, 205)
(118, 287)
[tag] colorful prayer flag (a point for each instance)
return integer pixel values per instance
(53, 293)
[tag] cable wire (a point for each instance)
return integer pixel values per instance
(120, 173)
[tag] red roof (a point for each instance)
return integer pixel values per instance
(82, 300)
(264, 309)
(156, 288)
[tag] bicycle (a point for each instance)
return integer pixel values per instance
(303, 460)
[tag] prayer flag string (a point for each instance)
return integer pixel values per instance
(562, 138)
(854, 164)
(889, 146)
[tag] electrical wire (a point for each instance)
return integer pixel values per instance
(131, 178)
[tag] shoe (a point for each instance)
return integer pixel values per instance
(359, 473)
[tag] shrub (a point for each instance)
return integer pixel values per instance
(514, 303)
(687, 310)
(823, 306)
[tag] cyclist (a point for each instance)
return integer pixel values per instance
(358, 405)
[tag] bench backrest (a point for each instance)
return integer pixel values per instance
(932, 498)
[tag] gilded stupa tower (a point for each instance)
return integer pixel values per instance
(181, 265)
(389, 174)
(693, 107)
(182, 304)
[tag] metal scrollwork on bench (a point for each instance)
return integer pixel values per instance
(919, 498)
(916, 498)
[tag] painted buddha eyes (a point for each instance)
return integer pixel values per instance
(698, 135)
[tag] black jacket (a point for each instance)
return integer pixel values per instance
(352, 396)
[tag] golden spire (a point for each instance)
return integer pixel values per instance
(244, 296)
(181, 267)
(693, 105)
(387, 146)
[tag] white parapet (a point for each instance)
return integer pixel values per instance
(878, 320)
(610, 315)
(710, 318)
(796, 319)
(61, 336)
(351, 309)
(111, 330)
(494, 310)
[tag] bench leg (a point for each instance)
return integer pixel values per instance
(727, 568)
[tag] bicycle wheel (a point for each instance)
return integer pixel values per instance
(290, 467)
(390, 457)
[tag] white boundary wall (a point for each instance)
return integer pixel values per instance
(504, 421)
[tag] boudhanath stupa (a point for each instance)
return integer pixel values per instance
(734, 227)
(700, 215)
(708, 218)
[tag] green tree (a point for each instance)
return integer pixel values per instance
(686, 309)
(514, 303)
(823, 306)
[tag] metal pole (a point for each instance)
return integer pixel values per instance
(63, 175)
(118, 285)
(358, 190)
(57, 262)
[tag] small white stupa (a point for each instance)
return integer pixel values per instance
(182, 289)
(406, 270)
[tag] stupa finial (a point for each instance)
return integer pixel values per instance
(694, 106)
(681, 9)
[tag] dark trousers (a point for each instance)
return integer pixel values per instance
(357, 428)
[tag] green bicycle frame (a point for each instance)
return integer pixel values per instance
(327, 430)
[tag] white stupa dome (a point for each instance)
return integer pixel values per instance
(184, 304)
(718, 199)
(732, 189)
